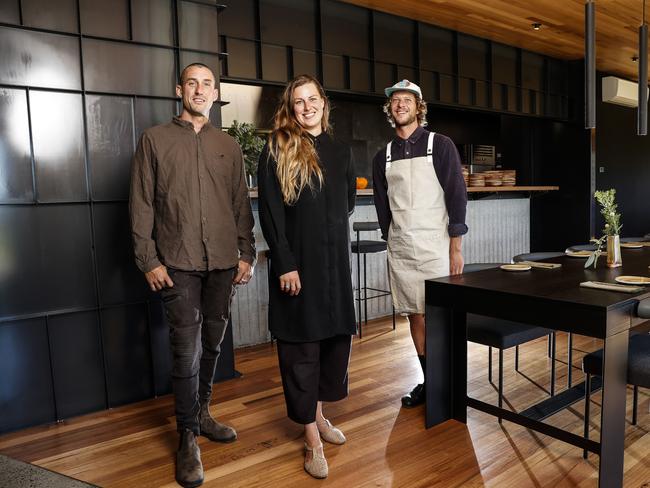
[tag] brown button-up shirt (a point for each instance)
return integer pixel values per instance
(189, 202)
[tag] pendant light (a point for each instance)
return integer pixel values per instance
(642, 109)
(590, 64)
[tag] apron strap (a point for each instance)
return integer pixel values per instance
(430, 148)
(388, 156)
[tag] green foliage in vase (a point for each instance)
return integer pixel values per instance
(251, 144)
(607, 201)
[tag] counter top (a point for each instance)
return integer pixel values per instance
(471, 189)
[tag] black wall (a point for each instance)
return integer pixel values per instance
(79, 82)
(625, 159)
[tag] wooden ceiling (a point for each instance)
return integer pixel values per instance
(510, 22)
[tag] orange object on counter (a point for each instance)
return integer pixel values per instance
(362, 183)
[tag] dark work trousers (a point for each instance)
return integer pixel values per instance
(312, 372)
(197, 309)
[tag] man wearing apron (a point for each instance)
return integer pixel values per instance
(421, 199)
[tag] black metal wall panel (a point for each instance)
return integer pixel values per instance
(160, 349)
(110, 145)
(436, 49)
(114, 67)
(59, 153)
(198, 26)
(105, 19)
(274, 63)
(15, 153)
(305, 62)
(151, 111)
(60, 15)
(120, 281)
(39, 59)
(26, 396)
(77, 364)
(210, 60)
(127, 354)
(360, 77)
(385, 75)
(289, 23)
(9, 12)
(532, 70)
(504, 64)
(47, 251)
(472, 57)
(238, 19)
(152, 21)
(394, 39)
(242, 59)
(333, 72)
(345, 28)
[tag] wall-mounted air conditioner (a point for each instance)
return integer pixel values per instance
(620, 92)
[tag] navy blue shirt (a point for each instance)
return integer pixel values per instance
(446, 163)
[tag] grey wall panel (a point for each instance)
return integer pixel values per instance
(198, 26)
(305, 62)
(384, 76)
(110, 145)
(77, 364)
(472, 57)
(150, 112)
(58, 15)
(210, 60)
(59, 154)
(10, 12)
(39, 59)
(274, 63)
(105, 19)
(127, 353)
(532, 67)
(152, 21)
(360, 77)
(345, 28)
(15, 153)
(119, 278)
(333, 72)
(242, 59)
(128, 69)
(26, 388)
(504, 64)
(289, 23)
(46, 261)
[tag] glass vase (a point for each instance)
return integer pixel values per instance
(614, 259)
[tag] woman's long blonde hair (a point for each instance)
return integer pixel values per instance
(291, 147)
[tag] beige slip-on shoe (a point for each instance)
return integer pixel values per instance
(317, 465)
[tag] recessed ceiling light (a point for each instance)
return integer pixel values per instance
(635, 58)
(536, 26)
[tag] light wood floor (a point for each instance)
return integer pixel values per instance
(134, 446)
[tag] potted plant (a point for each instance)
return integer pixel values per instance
(608, 209)
(251, 144)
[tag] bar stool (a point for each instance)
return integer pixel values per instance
(364, 247)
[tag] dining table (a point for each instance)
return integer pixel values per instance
(551, 298)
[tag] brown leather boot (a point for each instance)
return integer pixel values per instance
(189, 470)
(212, 429)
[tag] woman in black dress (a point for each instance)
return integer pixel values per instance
(306, 194)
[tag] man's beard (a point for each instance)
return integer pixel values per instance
(408, 121)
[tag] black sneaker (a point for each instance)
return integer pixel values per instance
(415, 398)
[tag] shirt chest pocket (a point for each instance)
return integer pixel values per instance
(219, 167)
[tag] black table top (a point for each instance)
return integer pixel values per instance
(547, 296)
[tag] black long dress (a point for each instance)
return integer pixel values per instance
(311, 237)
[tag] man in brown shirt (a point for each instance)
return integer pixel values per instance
(192, 229)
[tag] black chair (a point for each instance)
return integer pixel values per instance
(638, 373)
(538, 256)
(504, 334)
(364, 247)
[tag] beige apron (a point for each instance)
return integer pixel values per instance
(418, 239)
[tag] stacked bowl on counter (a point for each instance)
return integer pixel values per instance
(506, 177)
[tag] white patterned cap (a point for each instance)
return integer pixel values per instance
(404, 85)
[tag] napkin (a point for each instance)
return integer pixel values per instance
(535, 264)
(612, 286)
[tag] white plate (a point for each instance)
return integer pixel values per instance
(515, 267)
(632, 245)
(633, 280)
(579, 254)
